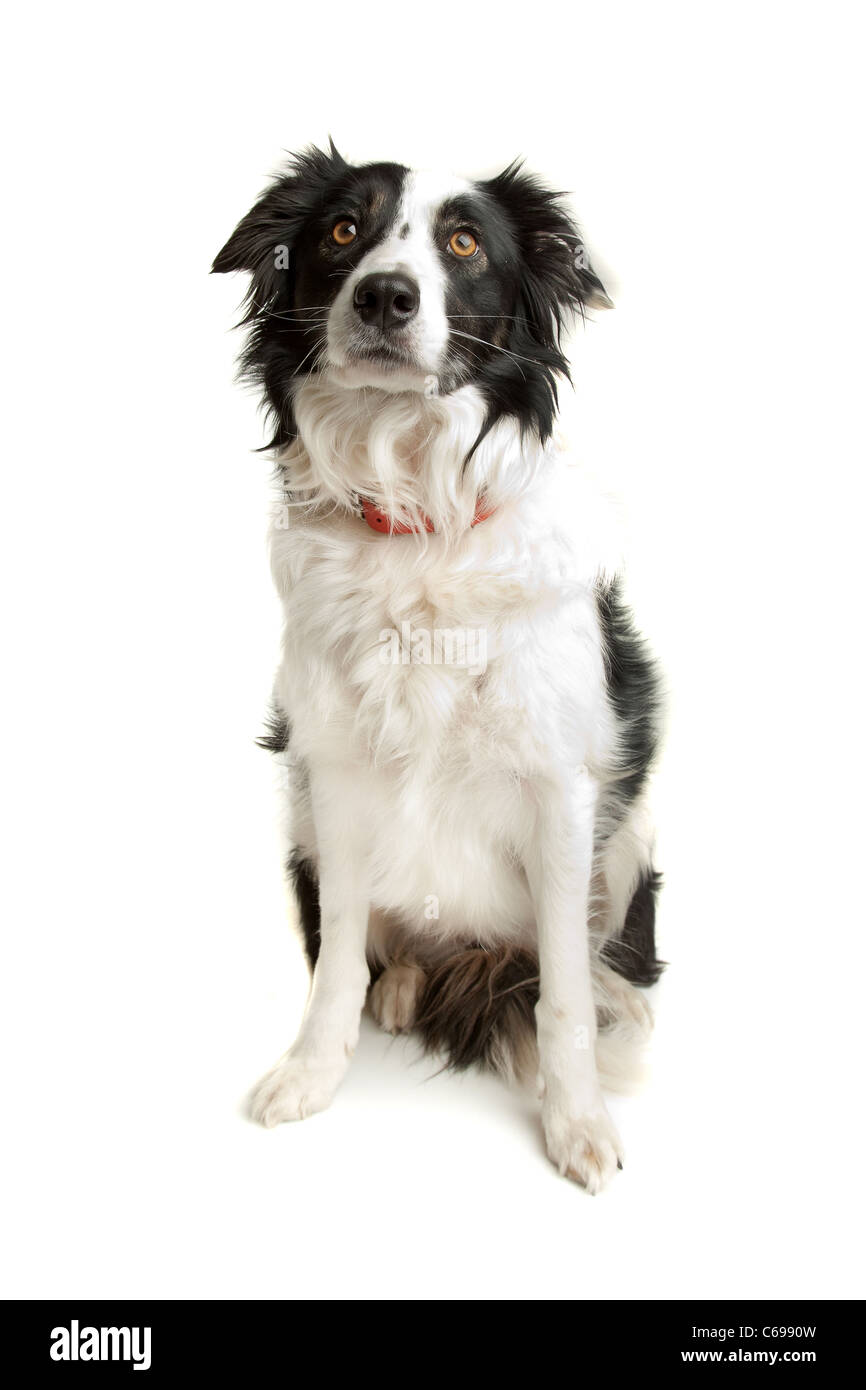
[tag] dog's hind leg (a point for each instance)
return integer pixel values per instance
(395, 996)
(396, 971)
(619, 1004)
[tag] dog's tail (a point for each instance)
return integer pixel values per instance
(478, 1006)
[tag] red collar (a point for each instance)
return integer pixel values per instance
(379, 521)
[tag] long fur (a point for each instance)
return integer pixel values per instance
(432, 781)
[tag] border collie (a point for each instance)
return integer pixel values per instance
(466, 711)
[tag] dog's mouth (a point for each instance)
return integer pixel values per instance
(384, 353)
(393, 349)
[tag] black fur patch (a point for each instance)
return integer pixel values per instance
(305, 883)
(275, 739)
(634, 692)
(633, 954)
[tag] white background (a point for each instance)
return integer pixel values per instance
(149, 975)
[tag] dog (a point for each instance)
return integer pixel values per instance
(465, 708)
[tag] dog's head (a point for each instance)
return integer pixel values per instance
(381, 276)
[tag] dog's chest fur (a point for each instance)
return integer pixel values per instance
(451, 751)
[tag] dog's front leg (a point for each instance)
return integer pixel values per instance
(305, 1079)
(580, 1136)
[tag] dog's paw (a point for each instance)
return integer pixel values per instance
(295, 1088)
(584, 1146)
(394, 997)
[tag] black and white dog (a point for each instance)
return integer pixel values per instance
(466, 711)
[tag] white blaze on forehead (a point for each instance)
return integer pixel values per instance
(409, 246)
(424, 193)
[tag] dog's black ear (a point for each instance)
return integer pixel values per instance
(262, 241)
(558, 276)
(555, 281)
(592, 292)
(253, 241)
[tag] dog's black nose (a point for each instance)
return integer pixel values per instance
(387, 301)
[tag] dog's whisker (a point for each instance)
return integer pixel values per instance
(487, 343)
(293, 318)
(317, 348)
(300, 309)
(516, 356)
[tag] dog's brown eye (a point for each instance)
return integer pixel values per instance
(344, 232)
(463, 243)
